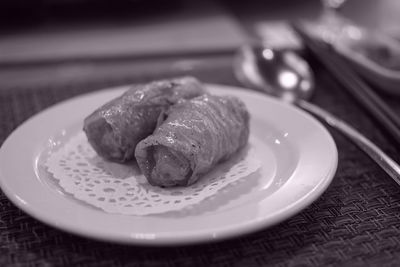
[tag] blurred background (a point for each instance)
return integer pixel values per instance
(37, 34)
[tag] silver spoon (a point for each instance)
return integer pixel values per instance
(285, 75)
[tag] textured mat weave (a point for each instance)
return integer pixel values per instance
(356, 222)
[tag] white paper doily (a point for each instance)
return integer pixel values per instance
(122, 189)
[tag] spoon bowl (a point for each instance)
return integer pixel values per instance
(278, 72)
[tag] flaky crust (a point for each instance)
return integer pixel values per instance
(204, 131)
(114, 129)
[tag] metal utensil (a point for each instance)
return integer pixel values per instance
(285, 75)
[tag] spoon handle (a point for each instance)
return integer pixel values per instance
(374, 152)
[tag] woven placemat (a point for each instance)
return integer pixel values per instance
(356, 222)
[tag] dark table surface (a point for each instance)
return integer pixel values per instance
(356, 222)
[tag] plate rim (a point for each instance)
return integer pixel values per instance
(165, 238)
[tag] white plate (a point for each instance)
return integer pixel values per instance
(299, 160)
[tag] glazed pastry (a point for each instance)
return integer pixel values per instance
(114, 129)
(195, 136)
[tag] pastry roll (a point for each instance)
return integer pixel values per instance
(114, 129)
(195, 135)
